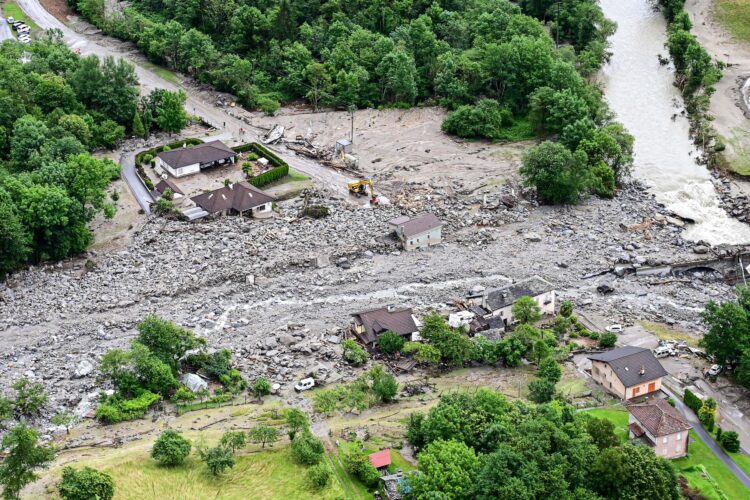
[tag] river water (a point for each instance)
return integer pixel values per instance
(640, 92)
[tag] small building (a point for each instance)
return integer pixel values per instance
(627, 372)
(343, 146)
(499, 302)
(369, 325)
(657, 424)
(238, 198)
(165, 184)
(192, 159)
(381, 459)
(417, 232)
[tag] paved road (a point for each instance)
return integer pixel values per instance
(322, 176)
(141, 194)
(5, 31)
(709, 440)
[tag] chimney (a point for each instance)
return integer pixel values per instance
(643, 370)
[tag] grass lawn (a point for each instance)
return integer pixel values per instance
(618, 415)
(735, 15)
(11, 9)
(742, 460)
(266, 474)
(163, 72)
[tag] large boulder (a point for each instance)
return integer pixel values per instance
(194, 382)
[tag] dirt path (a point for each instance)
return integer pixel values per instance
(730, 119)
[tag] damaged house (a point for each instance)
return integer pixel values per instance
(369, 325)
(498, 303)
(238, 198)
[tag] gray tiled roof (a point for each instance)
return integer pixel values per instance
(419, 224)
(632, 365)
(239, 196)
(376, 321)
(505, 296)
(203, 153)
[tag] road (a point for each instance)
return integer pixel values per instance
(709, 440)
(214, 115)
(5, 32)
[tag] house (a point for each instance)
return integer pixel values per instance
(499, 302)
(381, 459)
(627, 372)
(657, 424)
(395, 485)
(165, 184)
(237, 198)
(190, 160)
(417, 232)
(369, 325)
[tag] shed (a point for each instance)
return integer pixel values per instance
(343, 146)
(380, 459)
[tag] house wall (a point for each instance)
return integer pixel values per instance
(602, 373)
(640, 390)
(263, 211)
(545, 301)
(426, 239)
(178, 172)
(670, 446)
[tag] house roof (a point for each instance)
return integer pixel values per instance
(419, 224)
(239, 196)
(632, 365)
(507, 295)
(380, 458)
(168, 183)
(203, 153)
(658, 417)
(400, 321)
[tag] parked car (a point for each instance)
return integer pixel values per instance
(614, 328)
(305, 384)
(664, 351)
(11, 20)
(18, 24)
(23, 29)
(714, 370)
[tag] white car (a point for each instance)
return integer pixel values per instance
(11, 20)
(714, 370)
(614, 328)
(305, 384)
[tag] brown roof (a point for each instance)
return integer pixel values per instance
(417, 225)
(632, 365)
(637, 430)
(168, 183)
(658, 417)
(203, 153)
(240, 196)
(376, 321)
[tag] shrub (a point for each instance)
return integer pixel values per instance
(113, 409)
(170, 448)
(183, 394)
(268, 105)
(217, 459)
(566, 309)
(319, 475)
(423, 353)
(730, 440)
(594, 335)
(269, 176)
(672, 402)
(261, 387)
(307, 449)
(541, 390)
(86, 484)
(550, 369)
(607, 339)
(692, 401)
(30, 396)
(390, 342)
(147, 158)
(353, 353)
(358, 464)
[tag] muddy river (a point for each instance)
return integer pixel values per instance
(640, 92)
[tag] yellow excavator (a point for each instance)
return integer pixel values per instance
(360, 189)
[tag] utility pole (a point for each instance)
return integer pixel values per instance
(351, 111)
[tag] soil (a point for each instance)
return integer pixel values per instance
(58, 8)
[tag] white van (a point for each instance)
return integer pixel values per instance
(662, 351)
(305, 384)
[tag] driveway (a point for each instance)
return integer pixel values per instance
(709, 440)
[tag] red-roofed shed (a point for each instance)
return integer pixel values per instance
(381, 458)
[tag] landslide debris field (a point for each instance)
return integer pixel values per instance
(279, 292)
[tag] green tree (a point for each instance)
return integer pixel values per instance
(607, 339)
(307, 449)
(319, 475)
(423, 353)
(730, 440)
(540, 350)
(15, 241)
(319, 80)
(447, 467)
(550, 369)
(261, 387)
(6, 409)
(171, 448)
(170, 115)
(29, 135)
(217, 459)
(602, 431)
(30, 396)
(541, 390)
(264, 433)
(566, 309)
(65, 419)
(390, 342)
(137, 128)
(526, 310)
(558, 175)
(76, 126)
(234, 440)
(24, 457)
(166, 340)
(398, 73)
(728, 331)
(630, 471)
(384, 384)
(296, 421)
(86, 484)
(353, 353)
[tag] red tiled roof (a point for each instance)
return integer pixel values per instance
(381, 458)
(636, 430)
(658, 417)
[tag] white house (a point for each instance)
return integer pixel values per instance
(192, 159)
(421, 231)
(499, 302)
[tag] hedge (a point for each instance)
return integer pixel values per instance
(692, 401)
(281, 168)
(191, 141)
(114, 409)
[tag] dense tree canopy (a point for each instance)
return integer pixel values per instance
(728, 336)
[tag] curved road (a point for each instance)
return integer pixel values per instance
(214, 115)
(5, 32)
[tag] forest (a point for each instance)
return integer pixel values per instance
(55, 109)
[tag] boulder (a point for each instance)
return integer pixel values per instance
(194, 382)
(84, 368)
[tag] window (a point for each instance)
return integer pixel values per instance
(679, 436)
(261, 208)
(636, 390)
(666, 439)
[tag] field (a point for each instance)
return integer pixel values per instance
(664, 332)
(702, 469)
(735, 15)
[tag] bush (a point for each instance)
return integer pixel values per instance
(307, 449)
(268, 105)
(315, 211)
(566, 309)
(183, 394)
(730, 440)
(423, 353)
(147, 158)
(603, 181)
(218, 459)
(594, 335)
(358, 464)
(607, 339)
(319, 475)
(270, 176)
(86, 484)
(541, 390)
(692, 401)
(261, 387)
(113, 409)
(353, 353)
(486, 119)
(30, 396)
(171, 448)
(390, 342)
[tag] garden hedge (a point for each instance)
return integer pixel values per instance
(281, 168)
